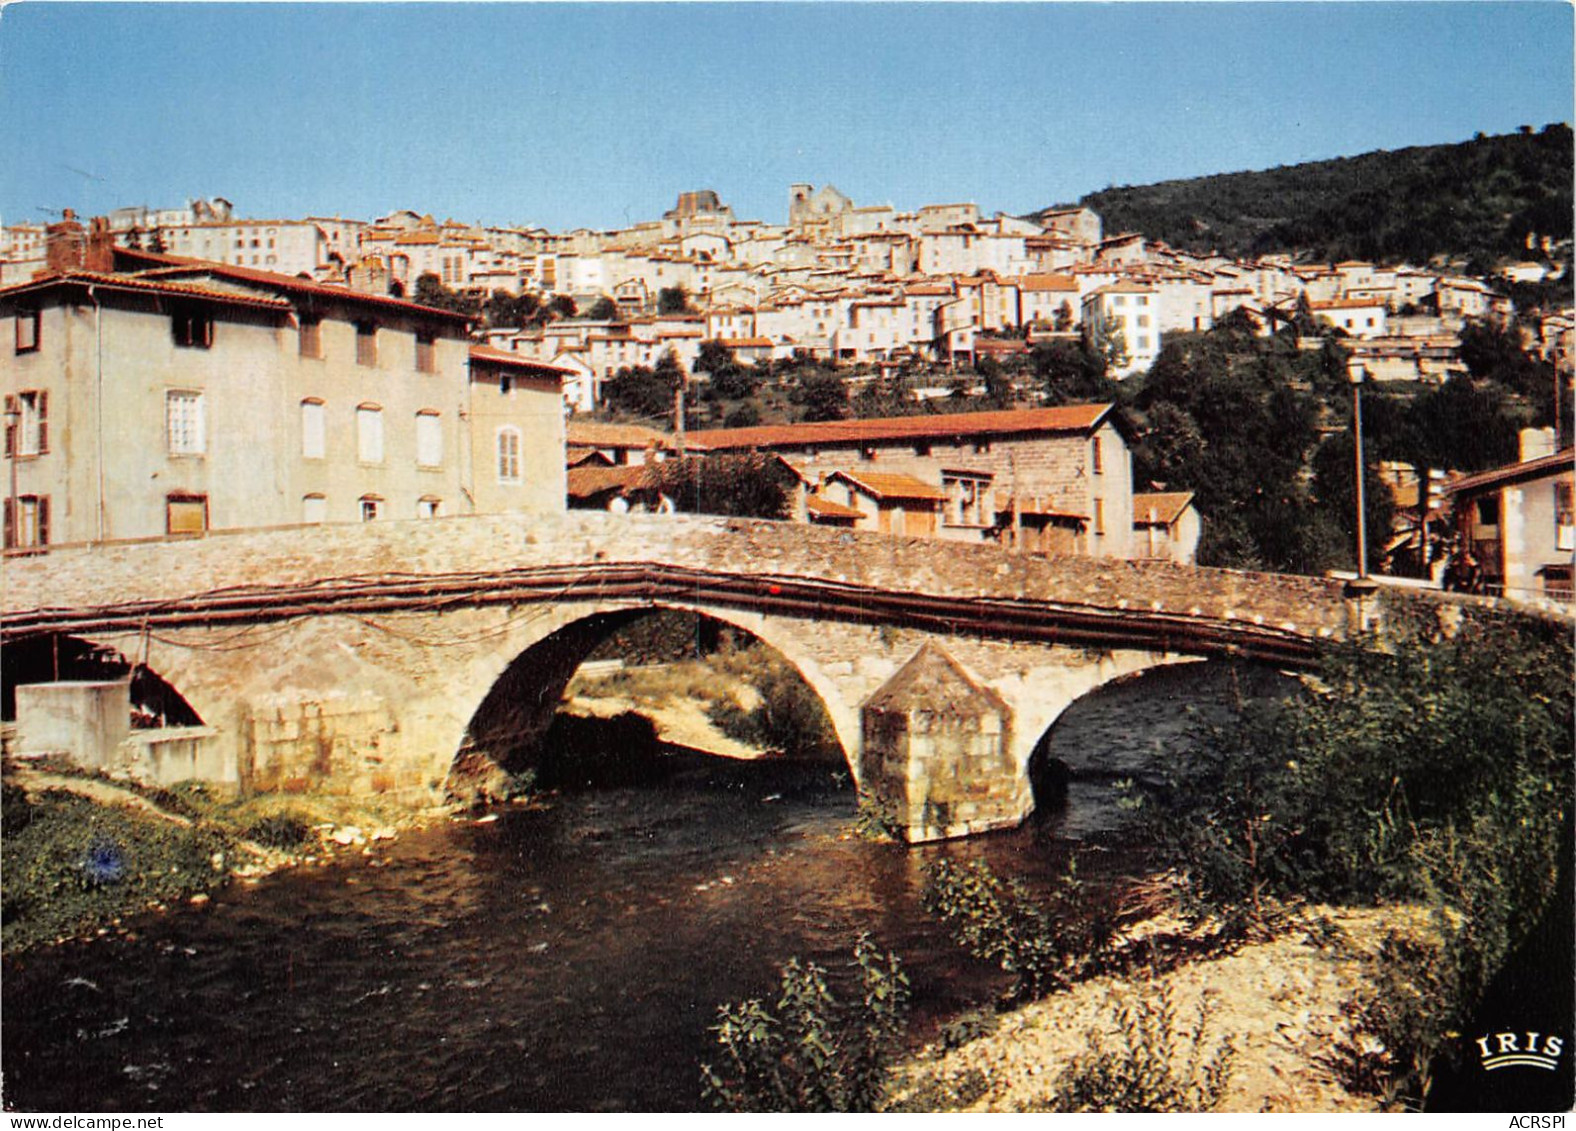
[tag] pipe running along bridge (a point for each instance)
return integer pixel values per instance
(407, 657)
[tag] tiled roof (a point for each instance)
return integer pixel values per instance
(1345, 304)
(746, 343)
(1563, 460)
(1166, 505)
(584, 482)
(1066, 418)
(147, 286)
(595, 434)
(1046, 283)
(515, 361)
(815, 504)
(891, 485)
(295, 286)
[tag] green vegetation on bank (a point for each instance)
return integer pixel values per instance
(78, 859)
(1436, 770)
(1477, 200)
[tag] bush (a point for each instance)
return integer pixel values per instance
(76, 863)
(1048, 945)
(813, 1053)
(281, 830)
(790, 717)
(1437, 770)
(1141, 1073)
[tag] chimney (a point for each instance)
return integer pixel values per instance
(101, 246)
(64, 244)
(1536, 443)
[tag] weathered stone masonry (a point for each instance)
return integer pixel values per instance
(382, 701)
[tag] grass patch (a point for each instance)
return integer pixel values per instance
(71, 864)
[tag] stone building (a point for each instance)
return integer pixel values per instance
(1066, 470)
(154, 396)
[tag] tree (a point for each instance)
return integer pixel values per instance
(430, 291)
(823, 395)
(604, 309)
(1071, 372)
(746, 415)
(1064, 317)
(560, 306)
(741, 486)
(673, 300)
(639, 391)
(1334, 486)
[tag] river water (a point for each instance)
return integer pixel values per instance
(563, 958)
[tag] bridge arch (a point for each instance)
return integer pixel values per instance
(1135, 725)
(56, 657)
(519, 688)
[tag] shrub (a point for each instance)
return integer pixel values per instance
(813, 1052)
(281, 830)
(77, 863)
(1141, 1073)
(1048, 945)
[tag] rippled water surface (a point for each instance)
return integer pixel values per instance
(567, 958)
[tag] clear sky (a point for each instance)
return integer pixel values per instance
(599, 114)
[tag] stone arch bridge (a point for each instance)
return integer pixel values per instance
(367, 657)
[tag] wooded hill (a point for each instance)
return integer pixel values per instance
(1475, 201)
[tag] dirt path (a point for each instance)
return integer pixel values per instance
(103, 792)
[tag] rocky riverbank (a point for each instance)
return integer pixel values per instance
(83, 854)
(1280, 1011)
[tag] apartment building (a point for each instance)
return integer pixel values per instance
(1128, 309)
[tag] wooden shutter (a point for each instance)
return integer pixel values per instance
(43, 520)
(13, 409)
(43, 421)
(10, 525)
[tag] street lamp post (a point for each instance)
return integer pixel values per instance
(1363, 584)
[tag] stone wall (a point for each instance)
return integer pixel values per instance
(382, 703)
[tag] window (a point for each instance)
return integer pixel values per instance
(27, 522)
(1099, 516)
(429, 439)
(311, 329)
(1564, 518)
(508, 455)
(1488, 511)
(425, 362)
(26, 331)
(314, 509)
(1142, 300)
(183, 420)
(191, 327)
(185, 514)
(30, 435)
(369, 434)
(313, 445)
(366, 343)
(428, 507)
(1097, 460)
(371, 508)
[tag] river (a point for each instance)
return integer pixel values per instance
(563, 958)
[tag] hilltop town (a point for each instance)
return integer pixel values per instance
(932, 308)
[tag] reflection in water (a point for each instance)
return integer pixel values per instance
(569, 958)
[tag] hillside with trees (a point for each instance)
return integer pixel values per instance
(1477, 200)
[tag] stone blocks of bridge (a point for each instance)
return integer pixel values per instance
(936, 751)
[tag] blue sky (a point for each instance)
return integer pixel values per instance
(599, 114)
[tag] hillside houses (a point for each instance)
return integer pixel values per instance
(840, 282)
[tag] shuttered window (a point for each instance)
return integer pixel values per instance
(26, 521)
